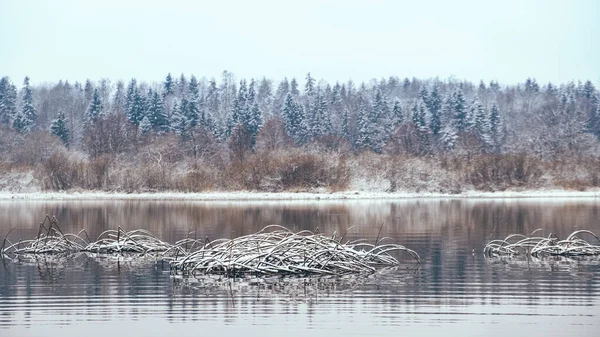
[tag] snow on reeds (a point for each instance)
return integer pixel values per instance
(277, 250)
(51, 240)
(538, 246)
(274, 250)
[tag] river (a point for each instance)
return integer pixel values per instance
(456, 291)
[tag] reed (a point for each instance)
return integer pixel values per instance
(275, 250)
(538, 246)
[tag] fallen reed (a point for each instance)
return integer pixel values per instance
(274, 250)
(277, 250)
(538, 246)
(50, 239)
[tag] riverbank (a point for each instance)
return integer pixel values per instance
(248, 195)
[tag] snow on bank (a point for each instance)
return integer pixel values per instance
(242, 196)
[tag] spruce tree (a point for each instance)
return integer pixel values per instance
(94, 110)
(345, 128)
(137, 107)
(145, 125)
(320, 123)
(435, 108)
(28, 113)
(129, 97)
(397, 113)
(119, 99)
(291, 119)
(179, 123)
(182, 85)
(59, 128)
(495, 127)
(481, 122)
(156, 113)
(8, 101)
(88, 91)
(363, 139)
(168, 85)
(294, 88)
(193, 88)
(309, 88)
(459, 105)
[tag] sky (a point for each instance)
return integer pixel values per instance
(507, 41)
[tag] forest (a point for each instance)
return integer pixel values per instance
(192, 134)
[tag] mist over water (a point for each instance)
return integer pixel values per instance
(456, 290)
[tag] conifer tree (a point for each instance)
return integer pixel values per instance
(59, 128)
(25, 121)
(145, 125)
(8, 101)
(119, 99)
(137, 107)
(363, 139)
(397, 113)
(129, 97)
(156, 113)
(459, 105)
(88, 91)
(294, 88)
(481, 122)
(309, 88)
(94, 110)
(168, 85)
(435, 108)
(345, 128)
(319, 123)
(182, 85)
(495, 127)
(179, 123)
(193, 88)
(293, 119)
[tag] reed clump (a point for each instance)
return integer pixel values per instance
(538, 246)
(51, 240)
(275, 250)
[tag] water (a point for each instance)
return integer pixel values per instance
(455, 292)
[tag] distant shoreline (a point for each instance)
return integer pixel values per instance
(258, 196)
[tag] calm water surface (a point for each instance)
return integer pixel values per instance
(455, 292)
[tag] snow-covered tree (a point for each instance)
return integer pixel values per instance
(397, 113)
(319, 123)
(364, 127)
(293, 119)
(119, 99)
(8, 101)
(435, 109)
(309, 87)
(25, 121)
(459, 109)
(345, 127)
(294, 88)
(59, 128)
(156, 113)
(94, 110)
(137, 107)
(495, 127)
(482, 122)
(145, 125)
(168, 85)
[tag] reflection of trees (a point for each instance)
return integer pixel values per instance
(444, 232)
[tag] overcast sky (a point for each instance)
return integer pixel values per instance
(504, 40)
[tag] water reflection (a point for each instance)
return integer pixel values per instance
(455, 284)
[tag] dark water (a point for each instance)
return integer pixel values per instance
(456, 291)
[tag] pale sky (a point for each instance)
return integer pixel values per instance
(506, 41)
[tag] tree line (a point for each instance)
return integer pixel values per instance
(390, 116)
